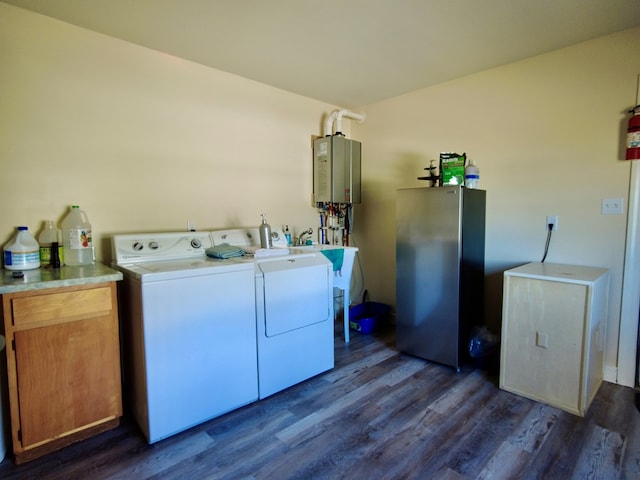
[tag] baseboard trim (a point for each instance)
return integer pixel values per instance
(611, 375)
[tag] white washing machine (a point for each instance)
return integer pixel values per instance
(294, 310)
(188, 328)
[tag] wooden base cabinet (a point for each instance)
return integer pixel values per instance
(553, 333)
(63, 365)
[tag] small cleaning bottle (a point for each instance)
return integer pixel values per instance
(47, 237)
(287, 234)
(265, 233)
(54, 261)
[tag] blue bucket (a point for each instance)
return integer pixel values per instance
(368, 316)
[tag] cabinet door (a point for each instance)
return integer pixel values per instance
(542, 343)
(68, 377)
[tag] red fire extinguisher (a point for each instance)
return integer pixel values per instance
(633, 134)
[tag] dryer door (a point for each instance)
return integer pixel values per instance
(297, 293)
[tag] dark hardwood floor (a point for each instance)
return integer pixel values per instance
(379, 414)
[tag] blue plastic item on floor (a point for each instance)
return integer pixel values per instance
(368, 316)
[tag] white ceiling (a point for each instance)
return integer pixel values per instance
(349, 53)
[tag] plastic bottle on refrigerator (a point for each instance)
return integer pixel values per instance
(76, 238)
(22, 252)
(472, 175)
(49, 235)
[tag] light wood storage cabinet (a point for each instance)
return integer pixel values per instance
(553, 333)
(63, 365)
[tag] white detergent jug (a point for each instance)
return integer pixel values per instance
(23, 252)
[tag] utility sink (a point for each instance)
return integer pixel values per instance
(341, 277)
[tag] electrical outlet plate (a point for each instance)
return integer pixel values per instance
(551, 220)
(612, 206)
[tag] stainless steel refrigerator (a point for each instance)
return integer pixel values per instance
(440, 234)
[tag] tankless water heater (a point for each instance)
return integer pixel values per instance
(336, 170)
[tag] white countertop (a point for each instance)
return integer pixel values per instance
(558, 272)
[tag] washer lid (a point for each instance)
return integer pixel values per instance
(172, 269)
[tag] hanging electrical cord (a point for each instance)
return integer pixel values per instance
(546, 246)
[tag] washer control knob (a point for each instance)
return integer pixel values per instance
(196, 243)
(137, 246)
(153, 245)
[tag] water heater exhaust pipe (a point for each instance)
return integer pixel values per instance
(336, 116)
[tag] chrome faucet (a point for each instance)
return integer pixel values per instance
(301, 239)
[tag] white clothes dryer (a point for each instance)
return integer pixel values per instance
(294, 310)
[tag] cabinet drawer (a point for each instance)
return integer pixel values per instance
(60, 307)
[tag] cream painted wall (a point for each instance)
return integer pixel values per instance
(546, 134)
(141, 140)
(145, 141)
